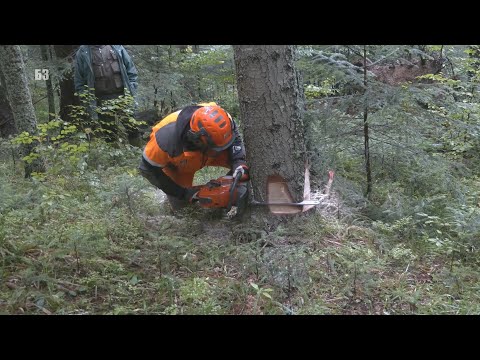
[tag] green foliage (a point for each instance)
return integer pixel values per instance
(439, 78)
(171, 80)
(115, 120)
(197, 295)
(73, 146)
(324, 89)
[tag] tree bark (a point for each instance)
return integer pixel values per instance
(7, 123)
(271, 108)
(198, 80)
(50, 95)
(20, 99)
(366, 133)
(67, 87)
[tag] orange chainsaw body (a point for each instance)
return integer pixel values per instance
(216, 193)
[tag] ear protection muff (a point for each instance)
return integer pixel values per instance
(195, 137)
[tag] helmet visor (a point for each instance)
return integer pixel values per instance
(223, 147)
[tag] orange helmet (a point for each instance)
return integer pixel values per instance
(213, 126)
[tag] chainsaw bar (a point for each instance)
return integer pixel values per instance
(304, 202)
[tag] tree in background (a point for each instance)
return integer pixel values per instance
(364, 102)
(169, 76)
(271, 108)
(7, 124)
(65, 55)
(47, 57)
(20, 100)
(423, 125)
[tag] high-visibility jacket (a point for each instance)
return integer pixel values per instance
(165, 148)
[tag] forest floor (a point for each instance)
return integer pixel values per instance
(101, 242)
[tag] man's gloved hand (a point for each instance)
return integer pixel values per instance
(244, 170)
(190, 194)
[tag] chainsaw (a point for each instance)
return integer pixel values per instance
(229, 193)
(224, 192)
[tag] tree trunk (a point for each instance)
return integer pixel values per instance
(20, 99)
(67, 87)
(198, 80)
(366, 133)
(271, 108)
(7, 123)
(50, 96)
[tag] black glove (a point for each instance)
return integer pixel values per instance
(190, 194)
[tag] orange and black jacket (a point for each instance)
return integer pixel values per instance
(169, 161)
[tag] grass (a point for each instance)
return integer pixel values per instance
(99, 242)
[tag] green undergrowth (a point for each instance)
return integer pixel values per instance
(101, 241)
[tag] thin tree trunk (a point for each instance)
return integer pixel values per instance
(155, 91)
(196, 50)
(170, 50)
(271, 108)
(20, 99)
(366, 134)
(51, 99)
(67, 87)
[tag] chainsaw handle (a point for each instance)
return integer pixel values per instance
(232, 189)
